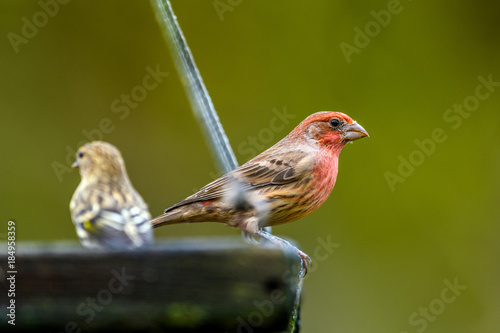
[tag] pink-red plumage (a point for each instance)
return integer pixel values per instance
(284, 183)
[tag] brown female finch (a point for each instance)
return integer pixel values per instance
(288, 181)
(107, 211)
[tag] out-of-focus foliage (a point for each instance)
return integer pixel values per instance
(83, 72)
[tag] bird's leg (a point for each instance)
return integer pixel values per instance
(250, 212)
(279, 242)
(249, 238)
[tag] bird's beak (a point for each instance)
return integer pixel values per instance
(354, 131)
(75, 165)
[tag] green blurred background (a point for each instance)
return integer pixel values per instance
(397, 244)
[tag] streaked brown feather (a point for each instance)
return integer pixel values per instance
(253, 175)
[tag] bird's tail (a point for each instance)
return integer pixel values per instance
(171, 217)
(191, 213)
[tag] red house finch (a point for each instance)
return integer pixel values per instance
(105, 208)
(288, 181)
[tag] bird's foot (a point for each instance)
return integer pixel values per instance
(249, 238)
(279, 242)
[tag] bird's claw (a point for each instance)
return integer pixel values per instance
(305, 259)
(249, 238)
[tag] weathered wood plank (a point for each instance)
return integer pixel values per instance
(219, 285)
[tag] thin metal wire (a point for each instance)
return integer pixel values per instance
(198, 96)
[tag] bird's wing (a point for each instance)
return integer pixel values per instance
(107, 221)
(278, 169)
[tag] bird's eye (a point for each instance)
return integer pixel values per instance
(80, 154)
(335, 122)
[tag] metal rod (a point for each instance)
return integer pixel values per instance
(198, 96)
